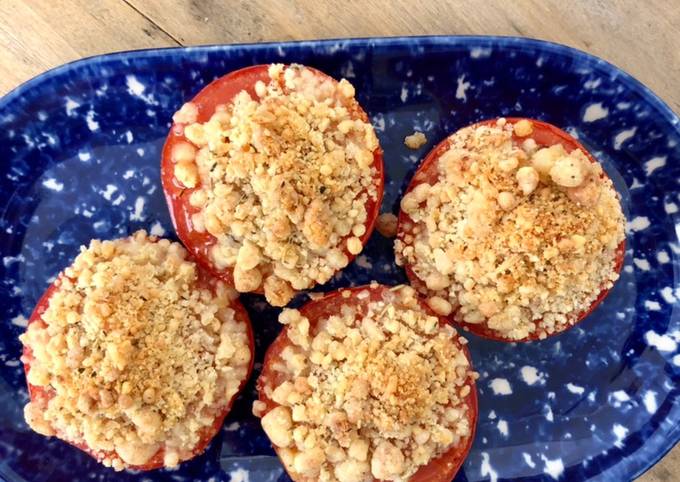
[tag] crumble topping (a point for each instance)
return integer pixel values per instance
(374, 392)
(415, 140)
(281, 180)
(136, 356)
(508, 233)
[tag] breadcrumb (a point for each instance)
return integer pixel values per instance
(415, 140)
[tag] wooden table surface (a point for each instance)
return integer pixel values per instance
(643, 38)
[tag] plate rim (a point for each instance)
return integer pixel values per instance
(499, 41)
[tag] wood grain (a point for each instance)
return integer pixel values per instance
(40, 34)
(643, 38)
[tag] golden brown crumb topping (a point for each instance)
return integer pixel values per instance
(135, 354)
(373, 392)
(415, 140)
(283, 180)
(509, 234)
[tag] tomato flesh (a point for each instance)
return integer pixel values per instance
(545, 135)
(440, 469)
(42, 394)
(221, 92)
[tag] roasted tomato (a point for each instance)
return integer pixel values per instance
(219, 93)
(544, 135)
(440, 469)
(42, 395)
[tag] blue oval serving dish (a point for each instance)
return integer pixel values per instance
(80, 152)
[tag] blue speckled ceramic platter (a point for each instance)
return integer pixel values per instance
(79, 150)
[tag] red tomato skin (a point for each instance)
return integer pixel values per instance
(441, 469)
(544, 134)
(221, 91)
(156, 462)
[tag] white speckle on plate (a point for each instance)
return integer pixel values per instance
(549, 415)
(662, 257)
(486, 470)
(129, 137)
(502, 426)
(636, 184)
(492, 414)
(84, 156)
(528, 460)
(71, 106)
(650, 402)
(623, 136)
(347, 70)
(87, 213)
(479, 52)
(639, 223)
(379, 123)
(660, 342)
(92, 124)
(128, 174)
(676, 360)
(19, 320)
(642, 264)
(652, 305)
(655, 163)
(232, 427)
(53, 184)
(554, 468)
(530, 375)
(592, 84)
(137, 215)
(500, 386)
(623, 105)
(404, 93)
(620, 396)
(239, 475)
(118, 200)
(575, 389)
(135, 87)
(108, 192)
(363, 262)
(461, 88)
(667, 295)
(157, 229)
(620, 433)
(140, 151)
(595, 112)
(670, 208)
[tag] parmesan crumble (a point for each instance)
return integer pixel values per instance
(134, 357)
(518, 237)
(373, 392)
(281, 180)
